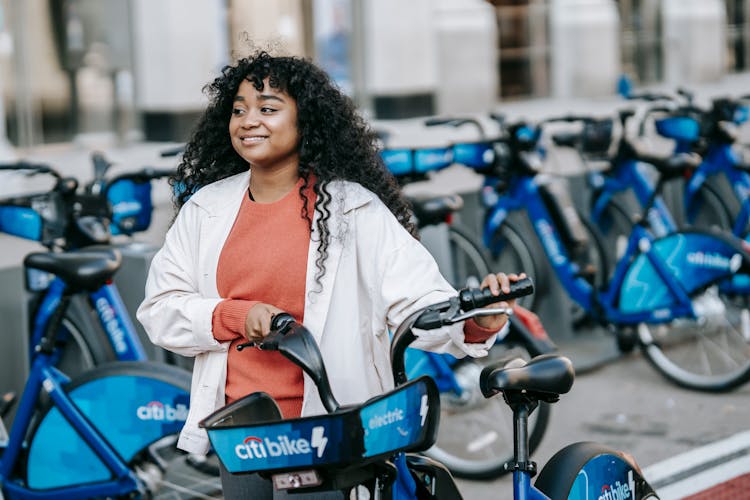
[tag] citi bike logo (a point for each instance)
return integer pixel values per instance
(396, 415)
(159, 412)
(111, 324)
(715, 261)
(550, 242)
(255, 447)
(619, 491)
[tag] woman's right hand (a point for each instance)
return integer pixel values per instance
(258, 321)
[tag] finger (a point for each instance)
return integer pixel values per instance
(490, 281)
(504, 282)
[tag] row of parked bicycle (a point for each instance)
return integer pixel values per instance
(678, 291)
(682, 291)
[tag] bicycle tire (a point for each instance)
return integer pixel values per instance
(82, 343)
(714, 207)
(469, 260)
(614, 226)
(165, 471)
(710, 353)
(475, 436)
(512, 254)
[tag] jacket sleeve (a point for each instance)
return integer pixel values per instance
(175, 315)
(410, 280)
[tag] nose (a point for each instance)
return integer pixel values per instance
(250, 120)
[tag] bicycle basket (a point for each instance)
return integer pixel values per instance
(37, 217)
(679, 128)
(131, 206)
(23, 222)
(476, 155)
(414, 162)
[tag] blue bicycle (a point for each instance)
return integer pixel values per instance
(367, 446)
(106, 433)
(670, 291)
(717, 192)
(580, 471)
(96, 327)
(470, 443)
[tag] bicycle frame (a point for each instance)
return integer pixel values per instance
(112, 314)
(628, 175)
(44, 375)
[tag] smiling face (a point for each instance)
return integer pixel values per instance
(263, 127)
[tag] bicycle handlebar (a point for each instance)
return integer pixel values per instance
(467, 304)
(296, 343)
(456, 122)
(32, 168)
(175, 151)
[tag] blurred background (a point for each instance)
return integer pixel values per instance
(132, 70)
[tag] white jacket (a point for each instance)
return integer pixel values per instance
(376, 275)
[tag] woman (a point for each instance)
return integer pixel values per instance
(284, 205)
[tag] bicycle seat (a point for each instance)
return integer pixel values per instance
(81, 270)
(435, 209)
(672, 166)
(545, 377)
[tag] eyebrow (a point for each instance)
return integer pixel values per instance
(262, 97)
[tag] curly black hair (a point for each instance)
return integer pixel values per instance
(336, 143)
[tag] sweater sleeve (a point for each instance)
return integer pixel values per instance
(228, 321)
(475, 334)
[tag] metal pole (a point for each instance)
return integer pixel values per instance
(23, 58)
(6, 150)
(358, 56)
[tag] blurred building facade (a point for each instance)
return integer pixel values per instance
(134, 69)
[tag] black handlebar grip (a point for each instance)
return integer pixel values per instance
(475, 298)
(281, 320)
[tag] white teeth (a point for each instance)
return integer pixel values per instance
(253, 139)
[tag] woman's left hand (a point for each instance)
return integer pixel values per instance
(496, 283)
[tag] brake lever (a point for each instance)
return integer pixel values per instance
(480, 312)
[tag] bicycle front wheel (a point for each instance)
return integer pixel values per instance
(712, 208)
(468, 259)
(475, 436)
(709, 353)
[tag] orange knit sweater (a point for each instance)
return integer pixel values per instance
(263, 260)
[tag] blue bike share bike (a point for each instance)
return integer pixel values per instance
(717, 192)
(579, 471)
(66, 342)
(681, 297)
(96, 327)
(469, 442)
(352, 447)
(110, 431)
(371, 450)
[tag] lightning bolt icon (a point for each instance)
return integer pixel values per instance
(423, 409)
(318, 440)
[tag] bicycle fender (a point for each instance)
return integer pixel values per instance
(131, 405)
(696, 259)
(586, 470)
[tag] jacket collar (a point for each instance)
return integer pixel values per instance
(215, 197)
